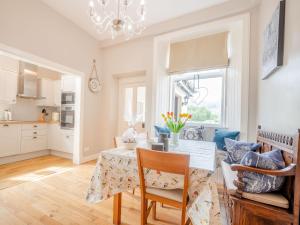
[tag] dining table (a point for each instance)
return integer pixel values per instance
(116, 171)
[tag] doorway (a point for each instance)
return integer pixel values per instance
(132, 103)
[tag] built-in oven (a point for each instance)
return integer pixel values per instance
(68, 98)
(67, 118)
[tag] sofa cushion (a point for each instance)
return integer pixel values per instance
(161, 130)
(221, 134)
(192, 133)
(274, 199)
(237, 149)
(260, 183)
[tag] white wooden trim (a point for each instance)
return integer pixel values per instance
(15, 158)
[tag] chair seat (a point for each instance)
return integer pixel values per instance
(175, 194)
(275, 199)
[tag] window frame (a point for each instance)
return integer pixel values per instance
(203, 75)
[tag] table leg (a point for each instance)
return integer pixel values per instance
(117, 209)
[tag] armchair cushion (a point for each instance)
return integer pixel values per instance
(237, 149)
(261, 183)
(275, 199)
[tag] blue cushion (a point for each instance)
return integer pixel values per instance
(161, 130)
(220, 135)
(237, 149)
(260, 183)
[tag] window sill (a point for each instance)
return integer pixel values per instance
(206, 125)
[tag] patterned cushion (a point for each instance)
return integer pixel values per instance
(260, 183)
(220, 136)
(161, 130)
(192, 133)
(237, 149)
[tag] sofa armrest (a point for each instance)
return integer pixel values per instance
(287, 171)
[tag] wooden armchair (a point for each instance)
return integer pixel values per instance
(281, 208)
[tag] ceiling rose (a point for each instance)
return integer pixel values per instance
(117, 21)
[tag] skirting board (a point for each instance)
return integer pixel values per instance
(15, 158)
(61, 154)
(90, 158)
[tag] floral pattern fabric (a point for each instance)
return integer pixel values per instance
(117, 171)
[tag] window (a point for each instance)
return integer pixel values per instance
(200, 94)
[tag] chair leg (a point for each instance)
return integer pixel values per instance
(145, 208)
(154, 211)
(188, 222)
(183, 214)
(143, 211)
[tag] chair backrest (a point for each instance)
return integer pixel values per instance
(290, 147)
(164, 162)
(118, 142)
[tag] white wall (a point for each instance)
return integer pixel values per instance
(32, 27)
(125, 58)
(279, 95)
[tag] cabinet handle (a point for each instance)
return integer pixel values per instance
(67, 136)
(35, 132)
(5, 125)
(34, 137)
(35, 126)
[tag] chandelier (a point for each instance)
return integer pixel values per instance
(117, 21)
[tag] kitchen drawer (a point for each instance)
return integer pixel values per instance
(32, 144)
(34, 126)
(34, 132)
(9, 130)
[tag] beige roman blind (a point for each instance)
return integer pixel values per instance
(209, 52)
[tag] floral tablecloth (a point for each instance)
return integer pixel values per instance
(116, 171)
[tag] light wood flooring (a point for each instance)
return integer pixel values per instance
(51, 191)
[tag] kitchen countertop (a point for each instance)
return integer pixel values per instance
(26, 122)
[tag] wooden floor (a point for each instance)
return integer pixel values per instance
(50, 190)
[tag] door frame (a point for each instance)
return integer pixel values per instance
(127, 75)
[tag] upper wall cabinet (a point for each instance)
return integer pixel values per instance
(68, 84)
(50, 90)
(9, 69)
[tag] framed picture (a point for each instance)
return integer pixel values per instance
(273, 42)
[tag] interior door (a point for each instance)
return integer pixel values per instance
(132, 103)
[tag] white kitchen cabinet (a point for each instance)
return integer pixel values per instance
(50, 90)
(9, 64)
(8, 87)
(59, 139)
(57, 92)
(68, 84)
(9, 139)
(34, 137)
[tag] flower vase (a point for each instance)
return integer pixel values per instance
(174, 139)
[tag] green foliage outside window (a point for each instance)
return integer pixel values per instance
(203, 114)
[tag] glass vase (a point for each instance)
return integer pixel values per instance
(174, 139)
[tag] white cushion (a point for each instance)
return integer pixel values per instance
(274, 199)
(175, 194)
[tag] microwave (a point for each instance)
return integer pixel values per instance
(68, 98)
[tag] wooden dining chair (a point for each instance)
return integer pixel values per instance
(163, 162)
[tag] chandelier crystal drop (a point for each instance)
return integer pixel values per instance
(116, 20)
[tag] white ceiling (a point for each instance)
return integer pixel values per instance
(157, 11)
